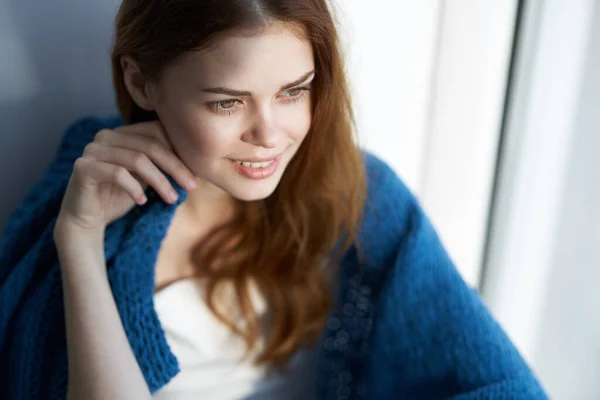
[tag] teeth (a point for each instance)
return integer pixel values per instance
(255, 164)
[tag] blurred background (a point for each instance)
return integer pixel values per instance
(488, 110)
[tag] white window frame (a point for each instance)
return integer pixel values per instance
(538, 133)
(475, 47)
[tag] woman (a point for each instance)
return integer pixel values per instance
(225, 238)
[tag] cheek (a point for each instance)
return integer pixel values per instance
(297, 124)
(199, 140)
(192, 128)
(207, 143)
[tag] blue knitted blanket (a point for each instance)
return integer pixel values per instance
(405, 325)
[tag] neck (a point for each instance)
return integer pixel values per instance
(208, 204)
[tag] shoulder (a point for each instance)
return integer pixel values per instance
(397, 239)
(386, 189)
(428, 319)
(380, 174)
(82, 131)
(390, 207)
(40, 204)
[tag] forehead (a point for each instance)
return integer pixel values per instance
(272, 56)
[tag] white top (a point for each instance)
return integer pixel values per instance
(210, 355)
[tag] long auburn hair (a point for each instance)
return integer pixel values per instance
(283, 244)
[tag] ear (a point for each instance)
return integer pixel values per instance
(137, 85)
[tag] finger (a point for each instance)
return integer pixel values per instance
(166, 159)
(136, 162)
(101, 172)
(153, 129)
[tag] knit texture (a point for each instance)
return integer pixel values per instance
(404, 324)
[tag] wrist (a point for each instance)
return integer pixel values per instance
(67, 233)
(79, 250)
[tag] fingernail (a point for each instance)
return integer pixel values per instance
(173, 196)
(143, 199)
(192, 184)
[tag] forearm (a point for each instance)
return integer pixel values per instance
(101, 362)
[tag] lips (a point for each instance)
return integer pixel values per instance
(260, 164)
(256, 169)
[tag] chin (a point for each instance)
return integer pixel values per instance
(246, 188)
(252, 191)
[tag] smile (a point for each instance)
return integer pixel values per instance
(254, 164)
(256, 169)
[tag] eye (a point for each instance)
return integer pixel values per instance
(226, 105)
(296, 94)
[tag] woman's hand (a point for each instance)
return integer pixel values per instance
(110, 178)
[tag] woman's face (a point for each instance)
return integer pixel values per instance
(237, 112)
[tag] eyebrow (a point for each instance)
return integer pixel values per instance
(233, 92)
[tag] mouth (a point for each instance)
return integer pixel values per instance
(254, 164)
(256, 168)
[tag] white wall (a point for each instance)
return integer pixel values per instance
(429, 83)
(392, 48)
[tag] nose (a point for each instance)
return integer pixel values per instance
(263, 131)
